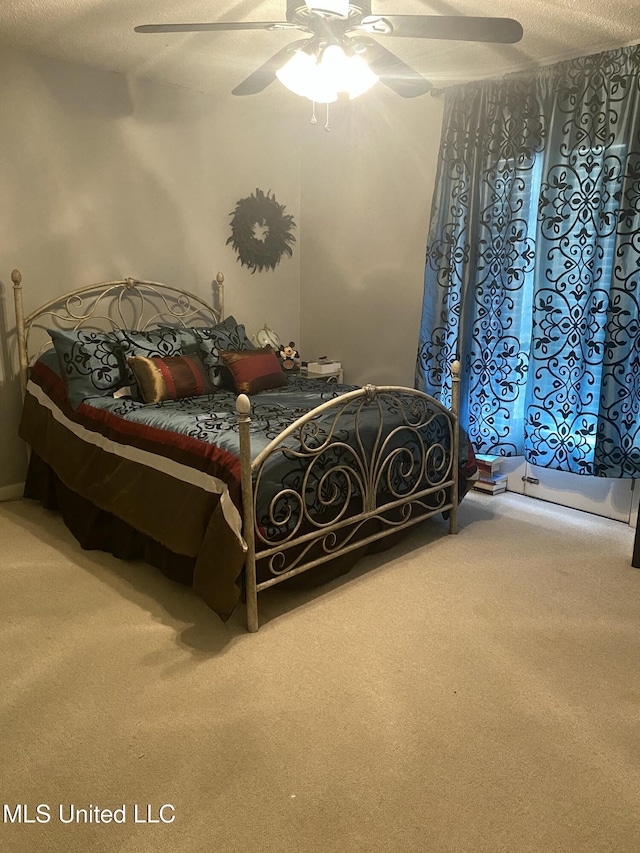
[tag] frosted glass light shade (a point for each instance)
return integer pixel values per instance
(344, 73)
(320, 81)
(302, 75)
(297, 72)
(334, 67)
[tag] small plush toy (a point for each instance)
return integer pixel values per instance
(290, 356)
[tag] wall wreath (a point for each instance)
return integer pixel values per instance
(261, 231)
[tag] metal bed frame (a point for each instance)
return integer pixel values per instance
(398, 479)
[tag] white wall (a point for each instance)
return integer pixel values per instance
(366, 199)
(102, 178)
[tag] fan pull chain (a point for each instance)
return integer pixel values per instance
(314, 120)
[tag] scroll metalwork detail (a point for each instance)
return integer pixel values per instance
(126, 304)
(358, 467)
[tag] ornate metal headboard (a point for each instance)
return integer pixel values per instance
(129, 303)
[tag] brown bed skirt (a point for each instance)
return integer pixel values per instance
(96, 529)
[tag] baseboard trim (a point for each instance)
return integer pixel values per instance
(11, 493)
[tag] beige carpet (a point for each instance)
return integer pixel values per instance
(470, 693)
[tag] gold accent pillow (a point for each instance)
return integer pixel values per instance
(170, 378)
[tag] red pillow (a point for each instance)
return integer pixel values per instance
(253, 371)
(170, 378)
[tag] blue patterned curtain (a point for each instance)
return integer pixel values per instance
(533, 264)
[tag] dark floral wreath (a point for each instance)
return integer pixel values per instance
(261, 211)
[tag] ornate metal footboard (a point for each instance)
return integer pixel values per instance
(358, 468)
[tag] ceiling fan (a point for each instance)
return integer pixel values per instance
(339, 44)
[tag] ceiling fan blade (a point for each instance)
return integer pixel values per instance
(450, 27)
(392, 71)
(219, 26)
(266, 74)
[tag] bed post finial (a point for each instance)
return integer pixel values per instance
(456, 370)
(16, 278)
(243, 405)
(243, 408)
(455, 408)
(220, 294)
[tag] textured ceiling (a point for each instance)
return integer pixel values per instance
(100, 33)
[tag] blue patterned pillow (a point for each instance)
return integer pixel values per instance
(91, 363)
(152, 343)
(229, 335)
(188, 333)
(189, 342)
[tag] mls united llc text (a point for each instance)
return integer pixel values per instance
(70, 813)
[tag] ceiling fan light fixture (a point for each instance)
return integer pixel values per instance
(321, 78)
(303, 76)
(297, 71)
(346, 73)
(344, 28)
(333, 66)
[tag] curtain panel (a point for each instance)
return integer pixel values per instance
(533, 263)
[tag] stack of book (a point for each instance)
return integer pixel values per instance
(489, 477)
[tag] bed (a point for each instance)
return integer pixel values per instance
(160, 432)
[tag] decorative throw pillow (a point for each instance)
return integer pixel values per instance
(91, 363)
(170, 378)
(188, 333)
(254, 370)
(188, 340)
(229, 335)
(152, 343)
